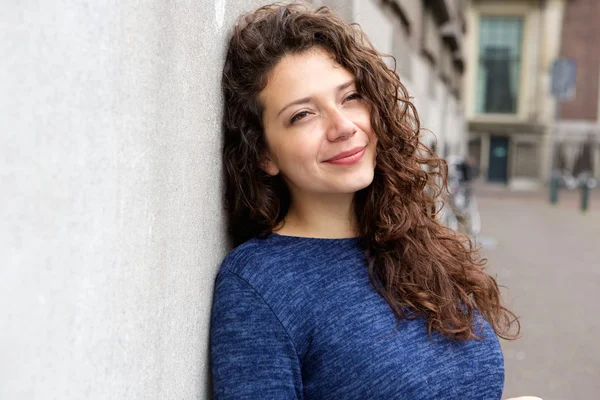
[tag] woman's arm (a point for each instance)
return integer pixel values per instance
(252, 355)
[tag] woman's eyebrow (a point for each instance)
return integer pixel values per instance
(309, 98)
(345, 85)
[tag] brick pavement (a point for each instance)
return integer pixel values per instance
(548, 257)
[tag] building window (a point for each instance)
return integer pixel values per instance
(527, 162)
(432, 82)
(432, 39)
(402, 52)
(499, 64)
(474, 150)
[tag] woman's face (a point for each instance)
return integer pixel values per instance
(317, 126)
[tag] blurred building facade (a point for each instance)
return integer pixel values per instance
(426, 37)
(510, 110)
(578, 133)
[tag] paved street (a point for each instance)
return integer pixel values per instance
(549, 260)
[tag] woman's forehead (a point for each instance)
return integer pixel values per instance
(302, 74)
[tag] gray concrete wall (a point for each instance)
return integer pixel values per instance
(112, 228)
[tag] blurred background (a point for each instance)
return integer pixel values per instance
(112, 225)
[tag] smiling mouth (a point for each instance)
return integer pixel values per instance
(348, 157)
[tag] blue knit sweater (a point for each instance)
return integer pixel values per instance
(297, 318)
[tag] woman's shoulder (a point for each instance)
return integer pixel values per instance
(241, 256)
(251, 258)
(278, 259)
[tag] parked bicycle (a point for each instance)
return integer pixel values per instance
(460, 211)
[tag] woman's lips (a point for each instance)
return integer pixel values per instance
(348, 158)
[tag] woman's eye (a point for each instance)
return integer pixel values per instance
(353, 96)
(299, 116)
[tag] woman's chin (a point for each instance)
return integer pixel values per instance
(356, 184)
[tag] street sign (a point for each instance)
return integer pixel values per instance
(562, 88)
(563, 78)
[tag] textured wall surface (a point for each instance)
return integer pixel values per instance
(112, 228)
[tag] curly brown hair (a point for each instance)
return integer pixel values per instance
(420, 267)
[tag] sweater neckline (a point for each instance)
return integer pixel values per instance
(279, 236)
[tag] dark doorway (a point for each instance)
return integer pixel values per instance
(498, 170)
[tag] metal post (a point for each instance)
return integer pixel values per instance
(553, 188)
(585, 195)
(562, 88)
(554, 174)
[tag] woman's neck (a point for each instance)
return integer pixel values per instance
(329, 217)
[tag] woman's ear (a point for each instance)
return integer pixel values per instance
(269, 166)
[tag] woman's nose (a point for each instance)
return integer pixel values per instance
(340, 127)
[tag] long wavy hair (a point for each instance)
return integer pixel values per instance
(420, 267)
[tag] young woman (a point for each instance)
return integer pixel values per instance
(343, 284)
